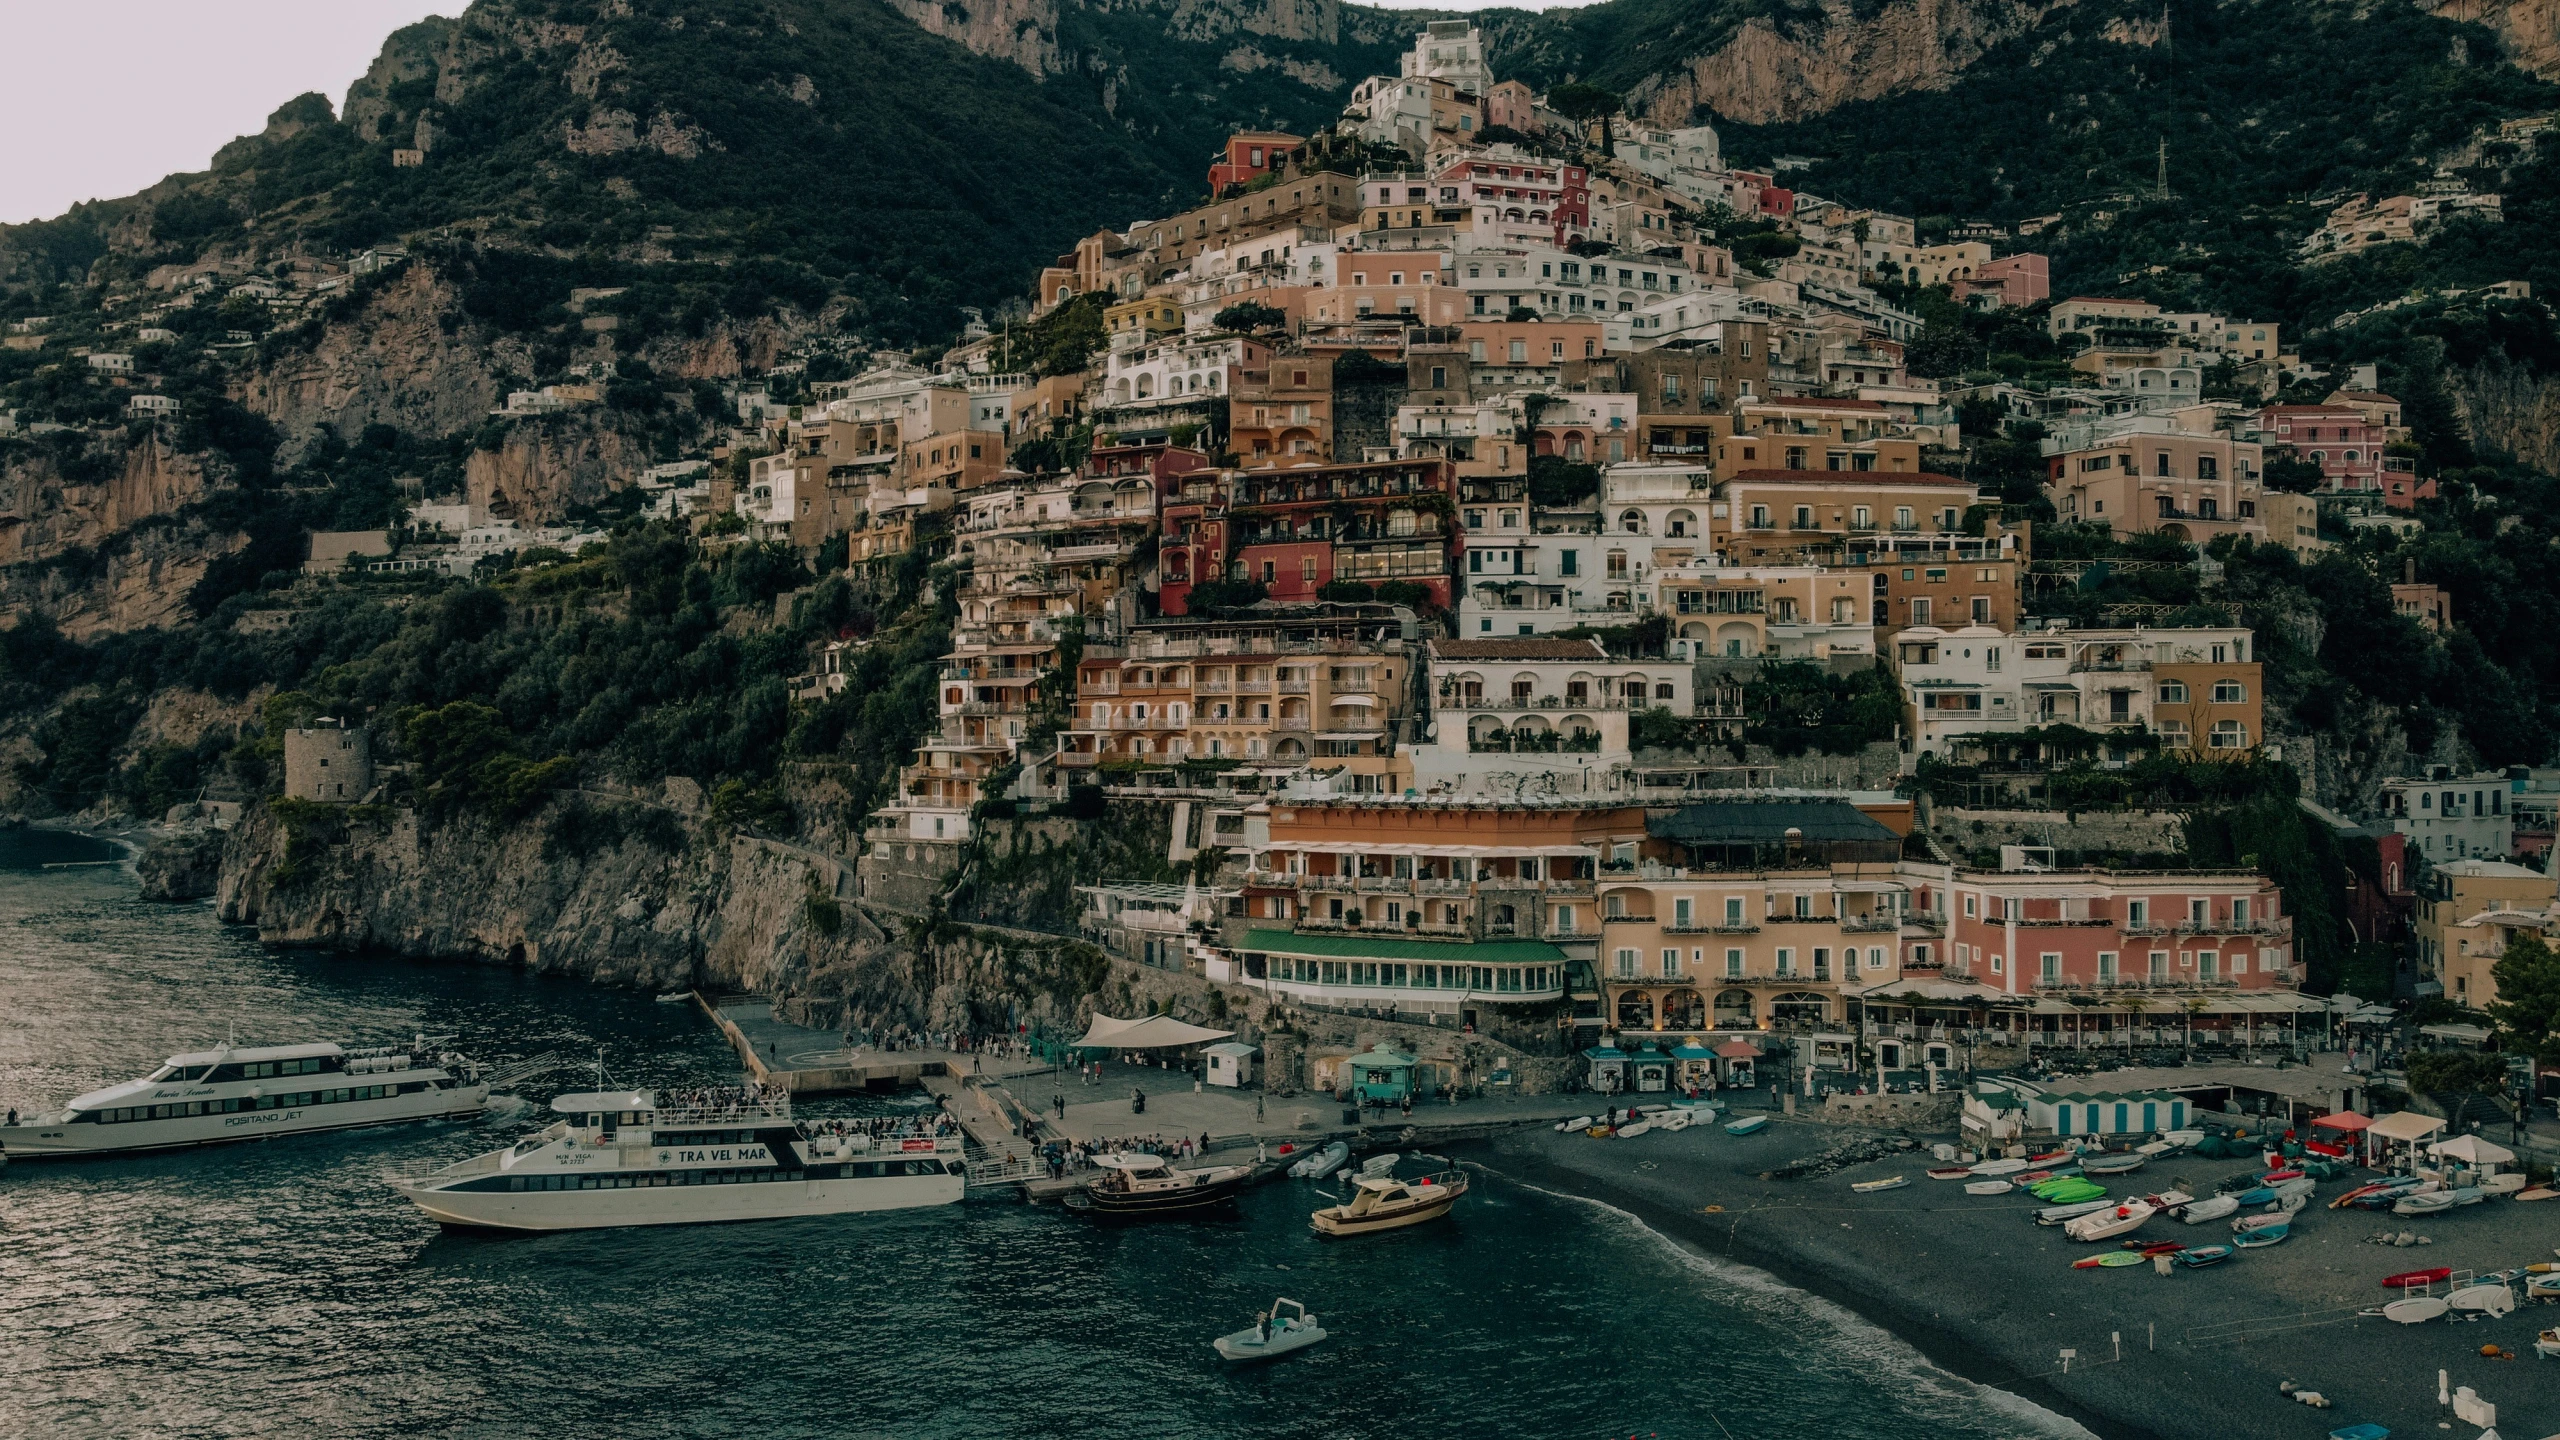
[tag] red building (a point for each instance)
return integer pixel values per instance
(1195, 540)
(1533, 191)
(1300, 529)
(1165, 464)
(2338, 438)
(2022, 932)
(1251, 155)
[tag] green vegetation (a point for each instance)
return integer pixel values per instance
(1795, 706)
(2527, 1010)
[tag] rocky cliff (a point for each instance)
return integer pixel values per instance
(2528, 29)
(2505, 406)
(1774, 70)
(399, 359)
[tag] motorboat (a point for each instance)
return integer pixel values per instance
(1382, 1202)
(2262, 1236)
(2247, 1223)
(1748, 1125)
(2196, 1212)
(2199, 1256)
(2483, 1299)
(675, 997)
(1869, 1187)
(2108, 1223)
(2006, 1165)
(2063, 1214)
(216, 1097)
(2121, 1163)
(1988, 1187)
(2416, 1310)
(1282, 1330)
(1322, 1162)
(1145, 1187)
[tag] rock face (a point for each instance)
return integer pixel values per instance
(2506, 407)
(394, 362)
(182, 864)
(547, 465)
(1026, 31)
(1767, 72)
(2528, 29)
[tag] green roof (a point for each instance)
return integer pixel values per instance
(1363, 947)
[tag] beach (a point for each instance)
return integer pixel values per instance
(1974, 1285)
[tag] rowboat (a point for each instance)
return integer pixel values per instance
(1748, 1125)
(2199, 1211)
(1988, 1187)
(2063, 1214)
(2108, 1223)
(2050, 1156)
(2542, 1287)
(2118, 1164)
(2423, 1202)
(2200, 1256)
(2417, 1309)
(1289, 1328)
(2109, 1261)
(1674, 1121)
(1578, 1122)
(1629, 1132)
(2547, 1343)
(2263, 1236)
(2469, 1194)
(2003, 1166)
(1322, 1162)
(2247, 1223)
(2494, 1299)
(2362, 1193)
(1954, 1172)
(1869, 1187)
(2408, 1278)
(2148, 1248)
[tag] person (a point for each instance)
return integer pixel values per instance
(1257, 1107)
(1406, 1105)
(1262, 1326)
(1137, 1101)
(1204, 1143)
(1059, 1103)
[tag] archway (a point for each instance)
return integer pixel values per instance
(1734, 1007)
(1635, 1010)
(1684, 1010)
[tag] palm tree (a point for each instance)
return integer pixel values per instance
(2134, 1005)
(2194, 1006)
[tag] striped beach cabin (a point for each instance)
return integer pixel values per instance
(2137, 1113)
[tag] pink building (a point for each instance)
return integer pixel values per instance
(1511, 106)
(2340, 439)
(2021, 932)
(2008, 283)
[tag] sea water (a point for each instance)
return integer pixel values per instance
(280, 1288)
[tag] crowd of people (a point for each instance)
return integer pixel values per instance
(888, 1127)
(1064, 1157)
(717, 1097)
(899, 1038)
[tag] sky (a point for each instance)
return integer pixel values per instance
(180, 79)
(109, 96)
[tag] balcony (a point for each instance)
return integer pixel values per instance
(1287, 687)
(1293, 722)
(1538, 702)
(1253, 687)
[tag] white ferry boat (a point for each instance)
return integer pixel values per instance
(214, 1097)
(624, 1158)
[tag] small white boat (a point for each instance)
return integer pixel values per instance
(675, 997)
(2542, 1287)
(2063, 1214)
(1641, 1127)
(2415, 1310)
(1748, 1125)
(1288, 1327)
(2247, 1223)
(2547, 1343)
(1322, 1162)
(1679, 1118)
(2200, 1211)
(2003, 1166)
(2506, 1184)
(2489, 1299)
(1578, 1122)
(2108, 1223)
(1989, 1187)
(1377, 1165)
(2182, 1138)
(2424, 1202)
(1869, 1187)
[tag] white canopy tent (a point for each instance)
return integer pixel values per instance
(2471, 1150)
(1151, 1032)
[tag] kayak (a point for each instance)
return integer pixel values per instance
(1869, 1187)
(2203, 1255)
(2113, 1259)
(2407, 1278)
(1988, 1187)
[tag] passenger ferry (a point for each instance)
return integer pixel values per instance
(620, 1158)
(214, 1097)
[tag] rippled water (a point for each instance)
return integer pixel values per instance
(280, 1289)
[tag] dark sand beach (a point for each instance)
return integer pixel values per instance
(1973, 1284)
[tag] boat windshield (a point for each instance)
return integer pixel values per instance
(163, 1073)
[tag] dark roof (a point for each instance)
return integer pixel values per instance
(1745, 822)
(1522, 647)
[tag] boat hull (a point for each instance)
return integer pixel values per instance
(1334, 1222)
(89, 1140)
(1156, 1205)
(611, 1209)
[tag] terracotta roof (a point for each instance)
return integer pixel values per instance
(2104, 300)
(2369, 397)
(1524, 647)
(1850, 477)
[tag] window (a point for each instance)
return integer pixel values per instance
(2159, 964)
(2229, 692)
(2049, 966)
(1670, 964)
(2106, 966)
(2173, 692)
(1680, 914)
(1786, 962)
(1733, 964)
(1627, 964)
(2230, 735)
(1733, 910)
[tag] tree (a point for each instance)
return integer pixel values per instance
(2286, 471)
(1251, 317)
(1579, 100)
(2527, 1010)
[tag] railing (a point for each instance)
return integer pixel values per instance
(1255, 687)
(769, 1111)
(1539, 702)
(1292, 722)
(1289, 687)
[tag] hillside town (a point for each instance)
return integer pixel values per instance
(1428, 512)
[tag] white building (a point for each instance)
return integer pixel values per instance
(1665, 154)
(1976, 680)
(106, 362)
(1506, 708)
(1559, 569)
(2452, 817)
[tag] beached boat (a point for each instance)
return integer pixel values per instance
(2183, 1137)
(2002, 1166)
(2263, 1236)
(1674, 1121)
(2547, 1343)
(2108, 1223)
(2199, 1211)
(2199, 1256)
(2070, 1190)
(2113, 1259)
(2487, 1299)
(2538, 1192)
(1322, 1162)
(2423, 1202)
(1286, 1328)
(2468, 1194)
(2408, 1279)
(1954, 1172)
(1578, 1122)
(1988, 1187)
(2542, 1287)
(1380, 1203)
(2247, 1223)
(1629, 1132)
(2123, 1163)
(2506, 1184)
(2416, 1310)
(1869, 1187)
(2383, 1197)
(1748, 1125)
(2064, 1214)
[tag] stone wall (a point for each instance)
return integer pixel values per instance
(1892, 1112)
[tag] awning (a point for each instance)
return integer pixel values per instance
(2472, 1150)
(1152, 1032)
(2346, 1120)
(1360, 700)
(1738, 1050)
(2406, 1125)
